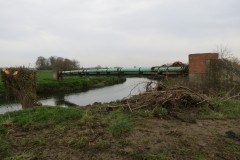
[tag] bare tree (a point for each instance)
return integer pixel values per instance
(42, 63)
(56, 63)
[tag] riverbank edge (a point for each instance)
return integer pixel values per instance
(71, 84)
(79, 86)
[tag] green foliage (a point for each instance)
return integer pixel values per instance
(20, 83)
(231, 108)
(223, 109)
(42, 114)
(120, 123)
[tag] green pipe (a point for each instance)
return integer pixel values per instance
(139, 70)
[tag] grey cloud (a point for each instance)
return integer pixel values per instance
(109, 32)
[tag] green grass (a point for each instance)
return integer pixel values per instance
(46, 83)
(223, 109)
(120, 122)
(42, 114)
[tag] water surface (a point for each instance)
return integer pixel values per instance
(131, 86)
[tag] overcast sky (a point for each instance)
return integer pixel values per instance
(116, 32)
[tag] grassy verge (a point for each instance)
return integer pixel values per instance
(46, 84)
(102, 133)
(75, 129)
(229, 109)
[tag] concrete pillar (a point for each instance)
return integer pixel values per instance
(55, 75)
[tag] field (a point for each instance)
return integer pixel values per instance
(167, 123)
(46, 84)
(108, 131)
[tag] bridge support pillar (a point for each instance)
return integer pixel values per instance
(198, 67)
(56, 75)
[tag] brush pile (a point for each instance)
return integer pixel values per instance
(171, 99)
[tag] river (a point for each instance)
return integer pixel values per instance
(131, 86)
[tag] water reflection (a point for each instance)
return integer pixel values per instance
(131, 86)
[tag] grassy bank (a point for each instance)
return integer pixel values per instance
(46, 84)
(102, 133)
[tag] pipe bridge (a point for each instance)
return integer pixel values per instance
(147, 71)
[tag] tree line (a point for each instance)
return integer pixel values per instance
(56, 63)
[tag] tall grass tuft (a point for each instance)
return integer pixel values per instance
(120, 123)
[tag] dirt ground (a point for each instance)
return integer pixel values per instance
(150, 139)
(204, 139)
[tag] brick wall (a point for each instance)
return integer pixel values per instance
(197, 62)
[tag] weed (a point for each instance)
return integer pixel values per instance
(120, 123)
